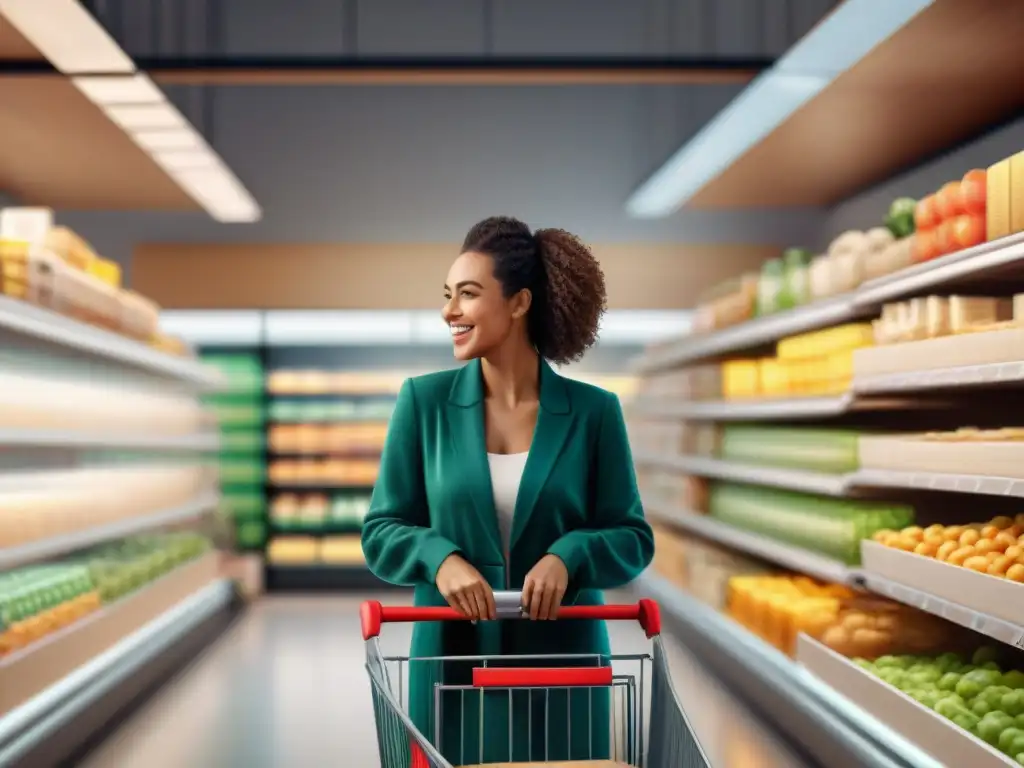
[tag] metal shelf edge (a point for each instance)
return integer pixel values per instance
(786, 555)
(51, 327)
(71, 542)
(939, 481)
(775, 477)
(63, 439)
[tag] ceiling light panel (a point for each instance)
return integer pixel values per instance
(119, 90)
(220, 193)
(185, 159)
(68, 36)
(132, 118)
(175, 139)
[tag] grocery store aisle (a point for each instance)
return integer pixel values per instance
(286, 687)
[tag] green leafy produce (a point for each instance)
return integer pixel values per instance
(819, 450)
(983, 703)
(900, 219)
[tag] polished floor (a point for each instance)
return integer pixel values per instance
(286, 688)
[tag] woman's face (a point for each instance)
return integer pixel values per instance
(476, 310)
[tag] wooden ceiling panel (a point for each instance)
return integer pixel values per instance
(404, 275)
(952, 72)
(60, 150)
(14, 46)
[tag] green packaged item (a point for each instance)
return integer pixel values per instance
(797, 285)
(770, 287)
(833, 451)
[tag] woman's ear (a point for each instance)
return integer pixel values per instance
(521, 303)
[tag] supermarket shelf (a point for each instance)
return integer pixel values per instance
(321, 577)
(66, 439)
(996, 628)
(944, 743)
(51, 726)
(747, 410)
(939, 481)
(979, 261)
(938, 587)
(72, 542)
(321, 487)
(786, 555)
(826, 726)
(753, 333)
(718, 469)
(867, 300)
(47, 326)
(990, 375)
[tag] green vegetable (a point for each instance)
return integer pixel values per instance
(900, 219)
(992, 725)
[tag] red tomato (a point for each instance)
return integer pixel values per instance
(944, 239)
(968, 230)
(926, 246)
(973, 191)
(925, 213)
(949, 201)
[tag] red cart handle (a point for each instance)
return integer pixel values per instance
(372, 614)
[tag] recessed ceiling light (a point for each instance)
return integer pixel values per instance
(114, 90)
(67, 35)
(185, 159)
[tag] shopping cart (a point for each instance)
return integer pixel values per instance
(646, 728)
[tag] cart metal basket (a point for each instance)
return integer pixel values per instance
(647, 727)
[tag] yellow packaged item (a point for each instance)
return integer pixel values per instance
(774, 377)
(107, 271)
(821, 343)
(740, 378)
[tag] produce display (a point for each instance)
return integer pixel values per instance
(995, 547)
(38, 600)
(812, 364)
(816, 449)
(777, 608)
(239, 411)
(52, 267)
(318, 512)
(352, 438)
(975, 692)
(308, 550)
(831, 527)
(328, 472)
(953, 218)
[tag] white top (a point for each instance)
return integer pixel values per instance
(506, 475)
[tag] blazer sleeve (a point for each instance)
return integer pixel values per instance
(398, 542)
(619, 544)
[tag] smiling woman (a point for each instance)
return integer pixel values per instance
(502, 475)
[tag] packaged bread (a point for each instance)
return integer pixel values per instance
(69, 247)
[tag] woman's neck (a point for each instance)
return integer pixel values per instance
(512, 374)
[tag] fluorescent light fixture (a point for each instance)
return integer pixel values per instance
(222, 329)
(185, 159)
(219, 192)
(146, 117)
(342, 328)
(828, 50)
(168, 140)
(67, 35)
(111, 90)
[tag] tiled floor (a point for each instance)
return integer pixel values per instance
(286, 688)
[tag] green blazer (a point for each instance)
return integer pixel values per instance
(577, 499)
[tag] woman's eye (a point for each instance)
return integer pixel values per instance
(466, 295)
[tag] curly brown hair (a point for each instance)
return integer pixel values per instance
(564, 278)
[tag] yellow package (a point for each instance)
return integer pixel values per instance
(740, 378)
(107, 271)
(822, 343)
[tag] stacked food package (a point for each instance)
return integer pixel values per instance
(52, 267)
(318, 511)
(239, 412)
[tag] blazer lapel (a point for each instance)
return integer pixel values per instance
(554, 418)
(469, 445)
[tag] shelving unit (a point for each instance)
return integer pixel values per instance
(907, 389)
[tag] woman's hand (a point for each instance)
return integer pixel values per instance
(544, 588)
(465, 589)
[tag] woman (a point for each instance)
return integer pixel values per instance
(504, 475)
